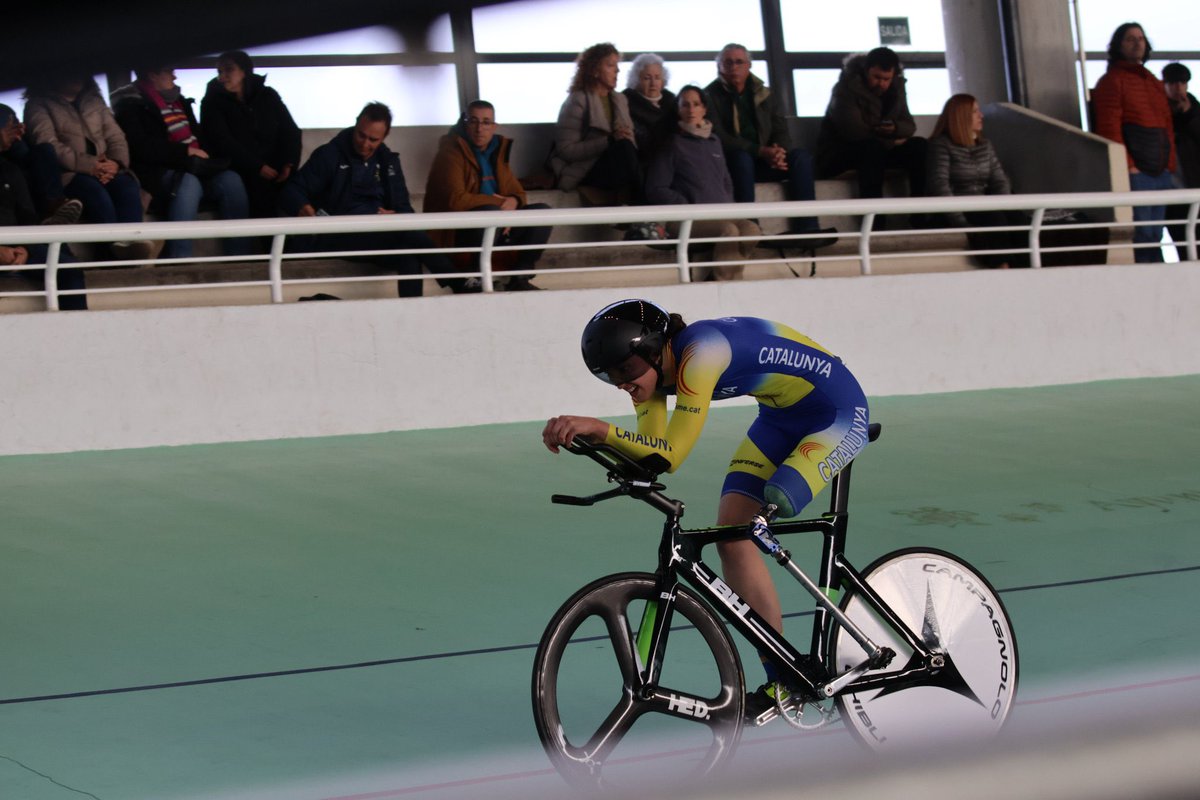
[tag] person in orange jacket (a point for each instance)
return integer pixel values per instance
(471, 173)
(1130, 107)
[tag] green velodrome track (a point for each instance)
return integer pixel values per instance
(355, 617)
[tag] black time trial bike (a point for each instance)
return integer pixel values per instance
(638, 668)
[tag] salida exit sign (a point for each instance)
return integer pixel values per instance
(894, 30)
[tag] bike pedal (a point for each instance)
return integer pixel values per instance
(762, 708)
(769, 715)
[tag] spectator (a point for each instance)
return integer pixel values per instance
(247, 122)
(1130, 107)
(170, 156)
(16, 208)
(594, 142)
(690, 168)
(39, 167)
(749, 123)
(1186, 119)
(356, 173)
(868, 127)
(962, 162)
(68, 113)
(471, 173)
(651, 105)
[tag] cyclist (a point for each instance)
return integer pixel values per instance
(812, 420)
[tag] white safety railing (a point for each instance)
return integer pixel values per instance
(872, 246)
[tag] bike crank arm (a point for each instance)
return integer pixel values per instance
(876, 660)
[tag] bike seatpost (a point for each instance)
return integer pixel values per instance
(768, 512)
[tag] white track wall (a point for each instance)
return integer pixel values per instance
(118, 379)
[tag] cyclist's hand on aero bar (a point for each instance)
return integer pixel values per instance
(563, 430)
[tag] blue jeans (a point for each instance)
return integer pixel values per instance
(119, 200)
(183, 204)
(745, 170)
(1149, 234)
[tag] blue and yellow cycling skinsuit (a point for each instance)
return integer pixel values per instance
(812, 414)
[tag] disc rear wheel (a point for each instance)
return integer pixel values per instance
(955, 611)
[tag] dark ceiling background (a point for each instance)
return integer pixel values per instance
(48, 37)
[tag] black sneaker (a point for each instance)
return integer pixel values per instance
(761, 706)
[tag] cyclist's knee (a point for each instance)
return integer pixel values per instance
(789, 490)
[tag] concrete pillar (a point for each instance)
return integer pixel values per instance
(975, 49)
(1034, 67)
(1046, 53)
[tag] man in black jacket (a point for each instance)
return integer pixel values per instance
(356, 173)
(1186, 118)
(868, 127)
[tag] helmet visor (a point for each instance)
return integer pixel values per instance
(627, 371)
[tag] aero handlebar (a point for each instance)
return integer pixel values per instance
(632, 479)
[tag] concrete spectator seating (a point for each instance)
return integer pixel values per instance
(1082, 162)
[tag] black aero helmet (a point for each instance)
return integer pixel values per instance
(618, 333)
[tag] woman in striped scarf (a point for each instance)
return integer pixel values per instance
(171, 160)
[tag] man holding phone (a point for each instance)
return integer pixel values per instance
(868, 127)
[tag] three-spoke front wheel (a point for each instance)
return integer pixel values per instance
(955, 612)
(600, 724)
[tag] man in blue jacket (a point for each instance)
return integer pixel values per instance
(356, 173)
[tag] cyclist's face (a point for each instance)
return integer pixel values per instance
(626, 371)
(633, 375)
(636, 377)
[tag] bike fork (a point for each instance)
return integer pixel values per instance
(650, 638)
